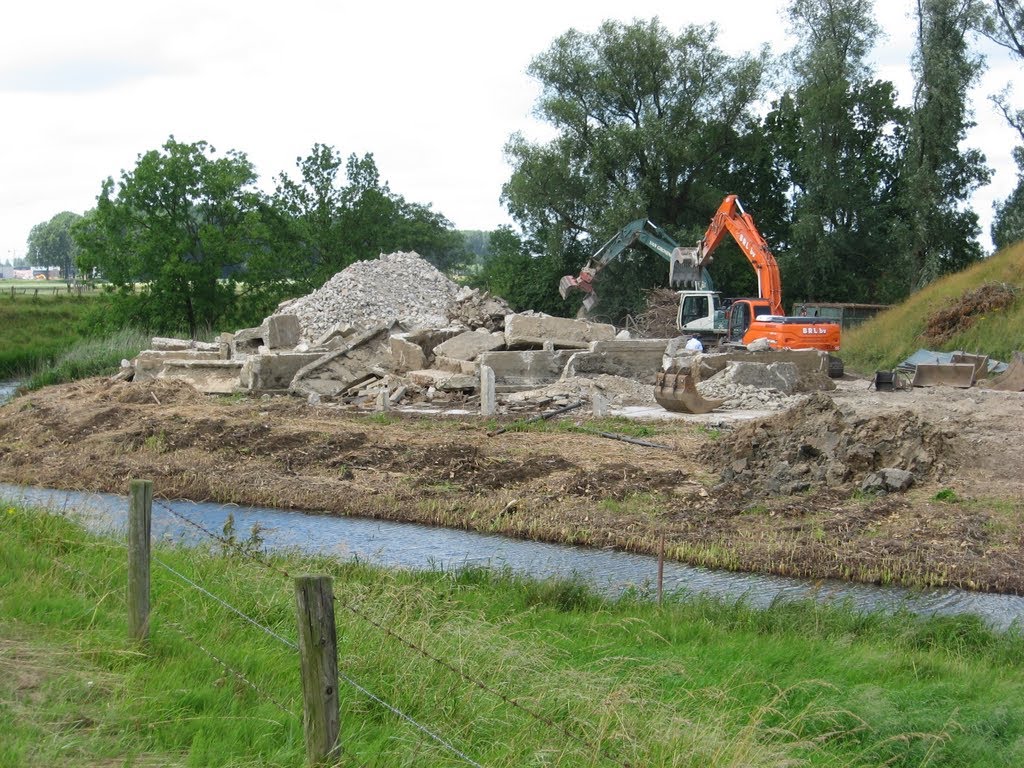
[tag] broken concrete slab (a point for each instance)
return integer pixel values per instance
(207, 376)
(638, 359)
(406, 355)
(282, 331)
(454, 366)
(274, 371)
(533, 330)
(780, 376)
(445, 381)
(164, 344)
(526, 368)
(247, 341)
(469, 345)
(336, 371)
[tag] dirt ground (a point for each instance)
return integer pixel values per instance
(777, 495)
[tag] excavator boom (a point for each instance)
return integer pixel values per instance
(732, 219)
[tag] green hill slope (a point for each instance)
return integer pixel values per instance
(890, 337)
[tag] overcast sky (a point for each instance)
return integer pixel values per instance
(433, 90)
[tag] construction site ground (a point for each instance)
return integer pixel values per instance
(730, 491)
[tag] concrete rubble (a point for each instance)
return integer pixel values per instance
(396, 332)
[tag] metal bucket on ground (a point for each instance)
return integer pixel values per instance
(943, 375)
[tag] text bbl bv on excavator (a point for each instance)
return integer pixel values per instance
(702, 311)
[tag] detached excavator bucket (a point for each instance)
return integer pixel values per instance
(1010, 380)
(676, 390)
(944, 375)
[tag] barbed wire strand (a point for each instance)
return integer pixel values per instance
(208, 593)
(263, 694)
(365, 691)
(259, 559)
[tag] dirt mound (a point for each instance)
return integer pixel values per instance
(818, 445)
(989, 297)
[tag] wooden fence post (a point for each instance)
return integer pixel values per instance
(140, 515)
(661, 569)
(318, 652)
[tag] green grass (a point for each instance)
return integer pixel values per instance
(696, 683)
(89, 357)
(37, 329)
(890, 337)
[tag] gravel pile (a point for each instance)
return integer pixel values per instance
(399, 286)
(742, 397)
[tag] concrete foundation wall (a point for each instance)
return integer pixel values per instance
(638, 359)
(527, 367)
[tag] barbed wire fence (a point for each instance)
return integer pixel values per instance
(330, 747)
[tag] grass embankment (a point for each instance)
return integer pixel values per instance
(696, 683)
(45, 341)
(889, 338)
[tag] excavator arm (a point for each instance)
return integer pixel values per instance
(731, 218)
(639, 231)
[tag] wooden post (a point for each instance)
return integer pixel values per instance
(661, 568)
(140, 514)
(318, 653)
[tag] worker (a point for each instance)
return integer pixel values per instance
(693, 344)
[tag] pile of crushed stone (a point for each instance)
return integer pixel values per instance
(816, 444)
(397, 287)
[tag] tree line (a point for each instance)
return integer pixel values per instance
(861, 199)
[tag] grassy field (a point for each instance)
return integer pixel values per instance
(889, 338)
(35, 329)
(695, 683)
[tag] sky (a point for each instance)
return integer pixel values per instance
(432, 90)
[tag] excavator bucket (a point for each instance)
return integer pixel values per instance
(567, 285)
(944, 375)
(683, 269)
(1010, 380)
(980, 363)
(676, 390)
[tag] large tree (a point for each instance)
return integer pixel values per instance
(648, 124)
(172, 234)
(940, 174)
(1004, 24)
(841, 136)
(337, 212)
(51, 244)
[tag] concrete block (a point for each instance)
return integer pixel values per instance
(469, 345)
(531, 368)
(283, 331)
(247, 341)
(455, 366)
(638, 359)
(779, 376)
(207, 376)
(443, 380)
(532, 330)
(274, 371)
(488, 392)
(406, 355)
(334, 337)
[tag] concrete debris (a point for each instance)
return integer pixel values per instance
(888, 480)
(818, 444)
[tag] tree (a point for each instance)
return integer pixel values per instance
(180, 226)
(840, 134)
(1004, 24)
(324, 220)
(518, 276)
(51, 244)
(940, 176)
(648, 124)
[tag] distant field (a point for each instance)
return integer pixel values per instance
(41, 288)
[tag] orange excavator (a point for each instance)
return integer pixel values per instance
(751, 319)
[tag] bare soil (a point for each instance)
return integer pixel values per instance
(779, 495)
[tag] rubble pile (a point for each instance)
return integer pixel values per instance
(818, 444)
(944, 324)
(398, 287)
